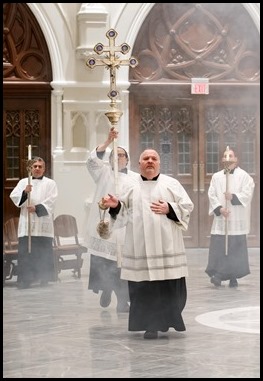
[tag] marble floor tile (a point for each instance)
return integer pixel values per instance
(60, 331)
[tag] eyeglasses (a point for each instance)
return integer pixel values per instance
(121, 154)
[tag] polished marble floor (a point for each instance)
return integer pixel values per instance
(60, 331)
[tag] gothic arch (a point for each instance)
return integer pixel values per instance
(27, 74)
(176, 43)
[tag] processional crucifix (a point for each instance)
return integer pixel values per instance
(112, 62)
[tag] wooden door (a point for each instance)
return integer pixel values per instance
(228, 121)
(27, 74)
(179, 43)
(25, 122)
(191, 133)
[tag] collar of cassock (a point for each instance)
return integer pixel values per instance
(38, 178)
(231, 171)
(153, 179)
(124, 170)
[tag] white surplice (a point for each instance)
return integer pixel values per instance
(44, 191)
(242, 185)
(154, 246)
(103, 176)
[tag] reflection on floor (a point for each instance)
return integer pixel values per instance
(241, 319)
(60, 331)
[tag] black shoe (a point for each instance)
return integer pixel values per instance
(150, 335)
(123, 307)
(105, 298)
(216, 281)
(233, 283)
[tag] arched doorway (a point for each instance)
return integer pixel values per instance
(27, 96)
(176, 43)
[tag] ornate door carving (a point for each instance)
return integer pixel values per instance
(27, 116)
(178, 42)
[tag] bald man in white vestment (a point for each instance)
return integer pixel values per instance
(155, 209)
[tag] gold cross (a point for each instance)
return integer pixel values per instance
(111, 61)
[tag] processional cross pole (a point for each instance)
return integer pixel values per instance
(112, 62)
(29, 171)
(228, 161)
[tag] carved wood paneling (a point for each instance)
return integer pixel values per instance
(178, 42)
(27, 96)
(25, 52)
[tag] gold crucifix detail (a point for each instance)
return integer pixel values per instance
(112, 62)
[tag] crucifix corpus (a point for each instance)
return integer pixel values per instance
(112, 61)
